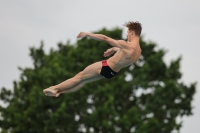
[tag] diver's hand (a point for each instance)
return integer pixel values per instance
(108, 52)
(82, 35)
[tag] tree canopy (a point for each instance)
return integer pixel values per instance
(146, 97)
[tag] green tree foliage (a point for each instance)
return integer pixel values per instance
(146, 97)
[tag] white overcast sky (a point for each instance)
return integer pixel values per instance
(173, 24)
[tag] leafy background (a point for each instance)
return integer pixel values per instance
(149, 100)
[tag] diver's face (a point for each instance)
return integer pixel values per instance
(129, 32)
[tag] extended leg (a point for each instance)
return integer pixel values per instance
(78, 86)
(90, 72)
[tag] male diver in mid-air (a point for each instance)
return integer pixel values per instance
(126, 53)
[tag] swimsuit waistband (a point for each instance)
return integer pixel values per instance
(104, 63)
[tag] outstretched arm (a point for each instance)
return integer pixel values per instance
(101, 37)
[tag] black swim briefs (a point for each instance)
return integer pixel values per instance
(106, 71)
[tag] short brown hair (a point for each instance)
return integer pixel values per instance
(135, 26)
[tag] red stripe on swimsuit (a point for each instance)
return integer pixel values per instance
(104, 63)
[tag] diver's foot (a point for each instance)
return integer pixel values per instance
(51, 91)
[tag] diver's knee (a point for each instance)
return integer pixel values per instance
(79, 76)
(80, 73)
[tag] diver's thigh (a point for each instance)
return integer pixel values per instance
(95, 78)
(92, 70)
